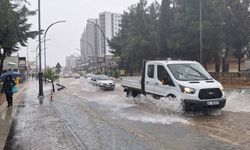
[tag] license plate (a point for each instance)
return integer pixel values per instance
(213, 103)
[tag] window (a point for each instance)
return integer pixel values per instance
(151, 71)
(163, 76)
(189, 72)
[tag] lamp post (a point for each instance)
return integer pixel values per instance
(201, 34)
(88, 44)
(27, 62)
(40, 74)
(37, 54)
(104, 38)
(45, 34)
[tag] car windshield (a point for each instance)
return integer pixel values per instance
(189, 72)
(102, 77)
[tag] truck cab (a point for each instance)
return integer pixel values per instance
(185, 80)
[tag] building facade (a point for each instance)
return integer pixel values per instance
(90, 40)
(110, 24)
(71, 62)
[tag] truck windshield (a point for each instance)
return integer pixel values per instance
(189, 72)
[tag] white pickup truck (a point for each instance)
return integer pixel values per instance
(185, 80)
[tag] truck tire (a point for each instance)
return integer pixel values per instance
(171, 96)
(132, 93)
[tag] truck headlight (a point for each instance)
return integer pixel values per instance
(187, 90)
(221, 88)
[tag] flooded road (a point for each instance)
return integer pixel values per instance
(161, 122)
(85, 117)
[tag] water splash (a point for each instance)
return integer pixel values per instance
(164, 104)
(238, 100)
(156, 118)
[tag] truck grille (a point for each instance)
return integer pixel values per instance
(210, 93)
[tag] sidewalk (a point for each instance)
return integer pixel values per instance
(35, 124)
(7, 114)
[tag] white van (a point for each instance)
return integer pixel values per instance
(185, 80)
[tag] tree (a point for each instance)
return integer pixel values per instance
(166, 27)
(52, 76)
(213, 37)
(240, 27)
(14, 29)
(184, 42)
(173, 30)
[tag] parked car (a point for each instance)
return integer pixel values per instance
(103, 81)
(185, 80)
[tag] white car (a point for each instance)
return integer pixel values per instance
(103, 81)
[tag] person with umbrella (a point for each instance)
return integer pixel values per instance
(7, 89)
(13, 74)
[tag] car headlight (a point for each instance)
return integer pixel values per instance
(221, 88)
(187, 90)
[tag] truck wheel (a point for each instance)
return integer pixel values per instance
(171, 96)
(129, 93)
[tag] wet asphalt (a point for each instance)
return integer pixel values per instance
(85, 117)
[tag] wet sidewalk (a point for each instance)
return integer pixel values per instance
(34, 124)
(7, 114)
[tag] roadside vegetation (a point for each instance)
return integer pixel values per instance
(14, 27)
(172, 30)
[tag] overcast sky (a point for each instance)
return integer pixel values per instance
(65, 37)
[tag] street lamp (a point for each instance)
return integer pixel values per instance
(88, 44)
(45, 41)
(37, 54)
(104, 37)
(201, 35)
(40, 74)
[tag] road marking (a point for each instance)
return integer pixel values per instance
(223, 139)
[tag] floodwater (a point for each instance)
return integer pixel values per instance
(228, 128)
(89, 118)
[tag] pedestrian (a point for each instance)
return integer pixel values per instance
(7, 89)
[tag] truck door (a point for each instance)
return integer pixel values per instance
(164, 84)
(150, 78)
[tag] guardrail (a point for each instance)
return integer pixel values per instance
(232, 78)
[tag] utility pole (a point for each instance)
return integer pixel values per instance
(27, 62)
(201, 33)
(40, 74)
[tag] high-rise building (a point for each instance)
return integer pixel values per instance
(71, 62)
(110, 24)
(90, 40)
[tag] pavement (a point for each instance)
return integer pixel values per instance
(7, 114)
(34, 124)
